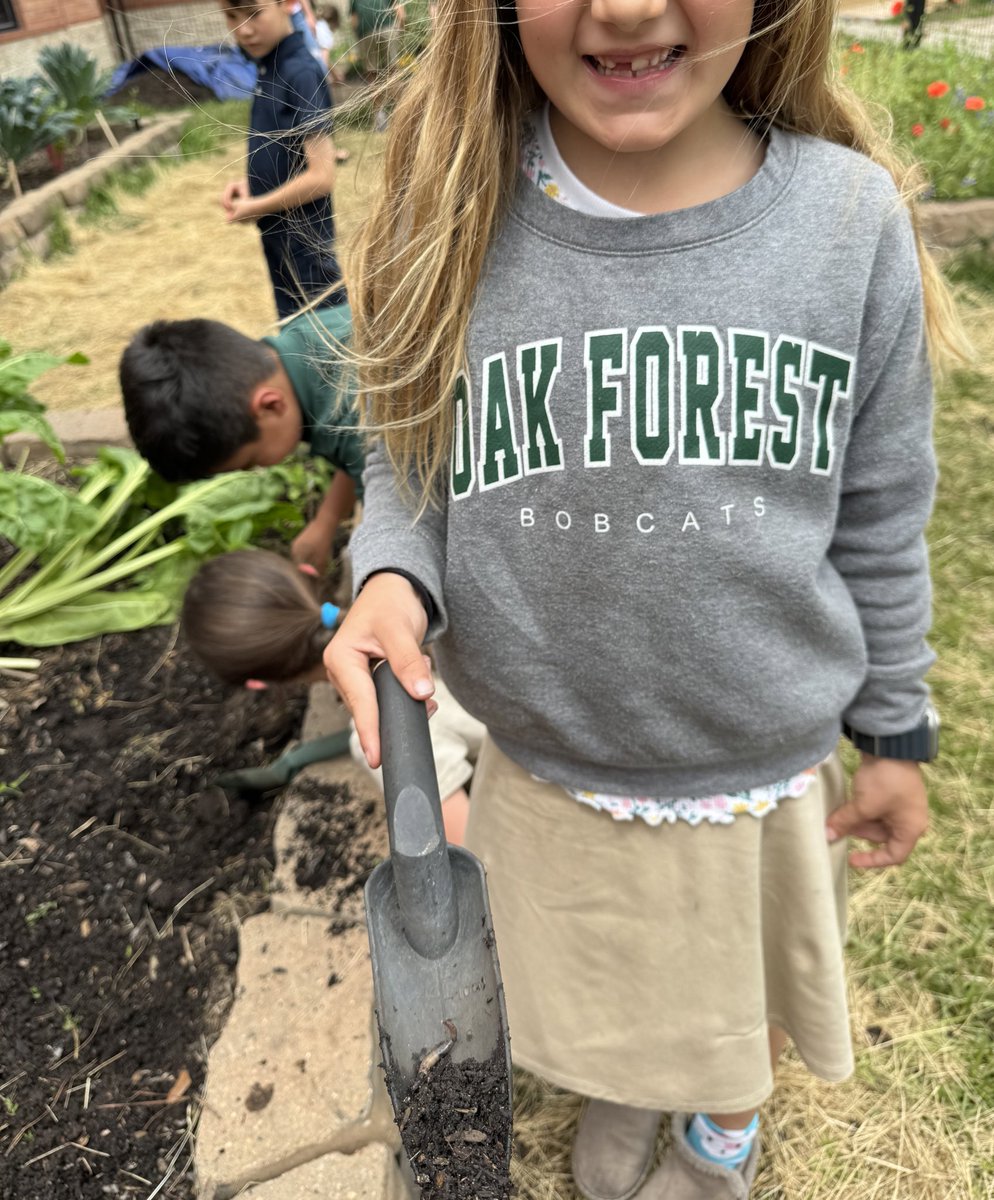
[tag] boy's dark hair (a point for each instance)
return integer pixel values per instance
(186, 387)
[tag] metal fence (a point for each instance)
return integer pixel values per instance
(138, 28)
(968, 24)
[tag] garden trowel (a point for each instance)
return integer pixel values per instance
(278, 773)
(436, 977)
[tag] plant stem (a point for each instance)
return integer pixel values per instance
(87, 494)
(60, 594)
(15, 565)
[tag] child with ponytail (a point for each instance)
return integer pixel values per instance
(253, 617)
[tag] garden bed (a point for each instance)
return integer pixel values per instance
(42, 167)
(123, 876)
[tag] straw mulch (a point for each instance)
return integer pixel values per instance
(166, 254)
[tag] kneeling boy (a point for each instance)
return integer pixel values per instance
(201, 398)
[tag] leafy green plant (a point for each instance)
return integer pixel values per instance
(80, 87)
(28, 123)
(20, 412)
(940, 101)
(117, 552)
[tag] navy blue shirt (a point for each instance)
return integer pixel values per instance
(292, 103)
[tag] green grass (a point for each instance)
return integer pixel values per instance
(955, 144)
(60, 241)
(212, 126)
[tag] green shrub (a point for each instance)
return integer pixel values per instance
(98, 205)
(60, 241)
(941, 102)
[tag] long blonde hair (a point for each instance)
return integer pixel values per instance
(451, 167)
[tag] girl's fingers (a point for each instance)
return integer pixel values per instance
(349, 670)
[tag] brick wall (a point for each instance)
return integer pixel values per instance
(19, 54)
(149, 22)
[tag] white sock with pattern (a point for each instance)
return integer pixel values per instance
(725, 1147)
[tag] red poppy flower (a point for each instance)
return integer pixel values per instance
(856, 48)
(973, 103)
(938, 88)
(917, 130)
(945, 123)
(897, 8)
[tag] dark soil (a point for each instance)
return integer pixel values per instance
(455, 1126)
(39, 168)
(335, 845)
(121, 879)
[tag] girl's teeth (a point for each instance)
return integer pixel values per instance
(634, 67)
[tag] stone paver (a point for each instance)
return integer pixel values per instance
(370, 1172)
(291, 1078)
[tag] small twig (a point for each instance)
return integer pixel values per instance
(82, 828)
(116, 829)
(107, 131)
(167, 928)
(187, 949)
(165, 654)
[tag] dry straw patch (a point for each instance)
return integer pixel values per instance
(166, 254)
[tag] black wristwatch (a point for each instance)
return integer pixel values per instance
(920, 744)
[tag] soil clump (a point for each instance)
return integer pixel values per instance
(455, 1127)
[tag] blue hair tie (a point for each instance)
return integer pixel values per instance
(329, 614)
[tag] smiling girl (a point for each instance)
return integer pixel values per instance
(638, 261)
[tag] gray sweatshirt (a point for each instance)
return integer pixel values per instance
(683, 536)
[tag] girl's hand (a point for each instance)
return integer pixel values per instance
(888, 806)
(387, 621)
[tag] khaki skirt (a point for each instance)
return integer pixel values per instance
(643, 965)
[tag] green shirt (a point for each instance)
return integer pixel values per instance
(307, 350)
(372, 15)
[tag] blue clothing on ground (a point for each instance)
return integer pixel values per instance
(225, 71)
(291, 103)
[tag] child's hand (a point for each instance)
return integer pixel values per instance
(237, 190)
(312, 546)
(387, 621)
(241, 209)
(888, 806)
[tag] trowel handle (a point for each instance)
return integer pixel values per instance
(418, 851)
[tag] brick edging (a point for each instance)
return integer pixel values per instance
(25, 221)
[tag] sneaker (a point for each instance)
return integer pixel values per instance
(613, 1149)
(685, 1175)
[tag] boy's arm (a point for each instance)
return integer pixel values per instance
(317, 179)
(313, 543)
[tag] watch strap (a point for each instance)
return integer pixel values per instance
(920, 744)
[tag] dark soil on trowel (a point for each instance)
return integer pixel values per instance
(123, 876)
(455, 1124)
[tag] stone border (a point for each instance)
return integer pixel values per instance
(950, 225)
(25, 223)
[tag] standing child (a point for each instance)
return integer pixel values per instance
(291, 157)
(654, 467)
